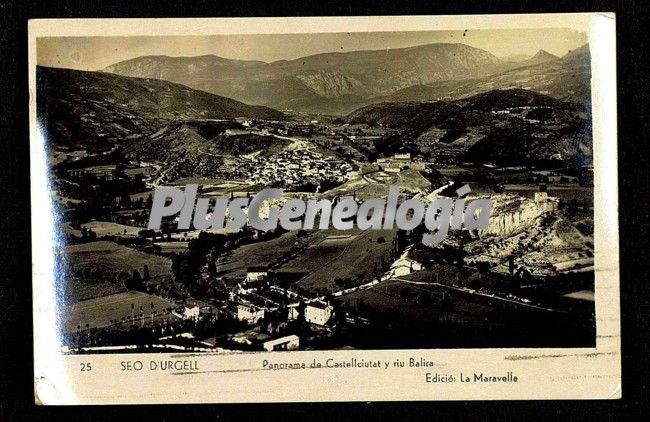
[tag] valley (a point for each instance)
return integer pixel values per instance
(428, 119)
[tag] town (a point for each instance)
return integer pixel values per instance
(242, 289)
(297, 214)
(407, 142)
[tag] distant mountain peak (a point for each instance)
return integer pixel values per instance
(544, 55)
(339, 82)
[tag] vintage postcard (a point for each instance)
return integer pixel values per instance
(324, 209)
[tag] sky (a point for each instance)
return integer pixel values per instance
(95, 53)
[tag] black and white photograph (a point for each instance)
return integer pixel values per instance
(506, 114)
(225, 210)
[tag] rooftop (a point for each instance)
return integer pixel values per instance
(318, 304)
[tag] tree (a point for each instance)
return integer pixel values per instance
(212, 266)
(146, 233)
(136, 276)
(146, 272)
(425, 299)
(483, 267)
(125, 200)
(405, 293)
(132, 282)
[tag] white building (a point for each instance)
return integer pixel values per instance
(292, 312)
(405, 266)
(247, 288)
(318, 312)
(255, 275)
(391, 169)
(249, 313)
(191, 312)
(291, 342)
(403, 157)
(541, 197)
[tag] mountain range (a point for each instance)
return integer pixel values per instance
(161, 121)
(511, 126)
(338, 83)
(567, 79)
(84, 108)
(448, 98)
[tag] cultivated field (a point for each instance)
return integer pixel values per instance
(108, 310)
(416, 302)
(342, 254)
(116, 258)
(235, 265)
(77, 289)
(172, 247)
(107, 228)
(144, 171)
(376, 184)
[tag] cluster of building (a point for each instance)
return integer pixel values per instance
(305, 128)
(399, 162)
(294, 168)
(315, 312)
(522, 112)
(251, 309)
(193, 309)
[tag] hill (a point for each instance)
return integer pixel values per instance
(202, 147)
(567, 79)
(542, 56)
(502, 99)
(508, 127)
(81, 108)
(327, 82)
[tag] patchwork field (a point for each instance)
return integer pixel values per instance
(207, 187)
(376, 184)
(353, 254)
(109, 310)
(144, 171)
